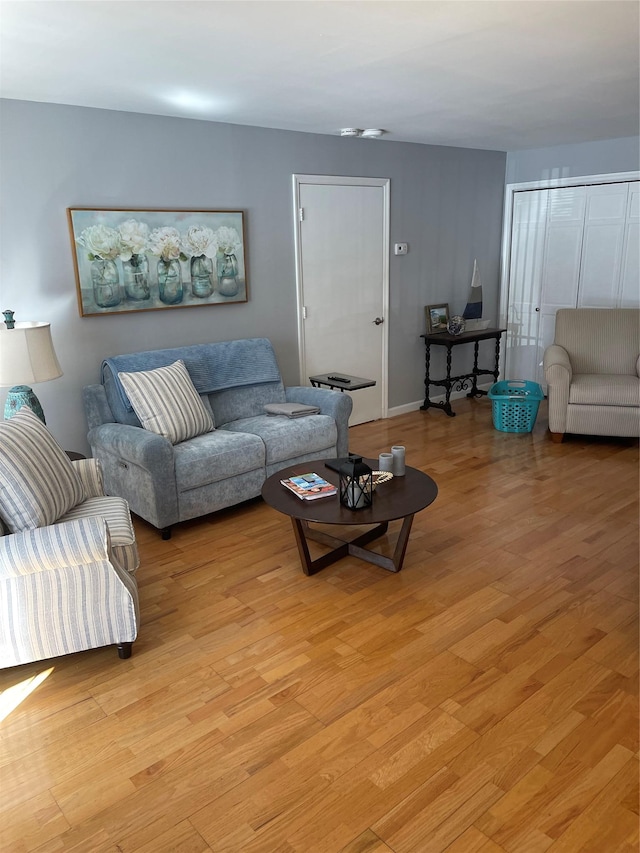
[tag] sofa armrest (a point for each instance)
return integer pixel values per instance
(68, 543)
(136, 445)
(558, 375)
(333, 403)
(90, 474)
(139, 466)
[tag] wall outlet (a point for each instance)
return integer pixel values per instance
(400, 248)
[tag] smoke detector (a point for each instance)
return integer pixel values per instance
(372, 133)
(350, 131)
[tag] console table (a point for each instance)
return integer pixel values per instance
(464, 380)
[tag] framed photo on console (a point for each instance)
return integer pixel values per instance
(437, 317)
(147, 260)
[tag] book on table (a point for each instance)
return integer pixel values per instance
(309, 487)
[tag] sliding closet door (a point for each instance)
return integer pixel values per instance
(570, 247)
(563, 251)
(604, 232)
(525, 274)
(630, 277)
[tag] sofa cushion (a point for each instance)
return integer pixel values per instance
(216, 456)
(286, 438)
(167, 403)
(236, 403)
(38, 483)
(601, 389)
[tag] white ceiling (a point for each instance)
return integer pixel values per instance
(505, 74)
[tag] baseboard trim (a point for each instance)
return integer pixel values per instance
(412, 407)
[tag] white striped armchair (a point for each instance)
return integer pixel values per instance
(70, 586)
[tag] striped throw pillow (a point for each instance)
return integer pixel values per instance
(38, 483)
(167, 403)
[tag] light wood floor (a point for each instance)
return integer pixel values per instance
(482, 700)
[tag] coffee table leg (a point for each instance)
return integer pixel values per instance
(391, 564)
(309, 566)
(355, 548)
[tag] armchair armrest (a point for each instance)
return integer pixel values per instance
(69, 543)
(556, 360)
(90, 474)
(333, 403)
(558, 374)
(60, 593)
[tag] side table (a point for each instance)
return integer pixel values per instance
(464, 380)
(343, 381)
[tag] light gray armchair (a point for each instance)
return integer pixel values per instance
(592, 371)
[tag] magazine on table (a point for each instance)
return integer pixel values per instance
(309, 487)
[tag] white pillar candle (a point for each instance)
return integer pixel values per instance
(385, 462)
(397, 455)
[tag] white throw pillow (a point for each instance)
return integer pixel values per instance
(167, 403)
(38, 484)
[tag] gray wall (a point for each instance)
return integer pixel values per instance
(571, 161)
(445, 202)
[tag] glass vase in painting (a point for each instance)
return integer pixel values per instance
(201, 276)
(227, 271)
(106, 283)
(135, 273)
(170, 282)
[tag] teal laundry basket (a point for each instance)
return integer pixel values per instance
(515, 404)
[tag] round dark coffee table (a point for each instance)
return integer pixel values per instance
(400, 497)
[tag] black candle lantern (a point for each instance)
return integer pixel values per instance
(356, 484)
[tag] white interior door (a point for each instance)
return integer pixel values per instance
(342, 249)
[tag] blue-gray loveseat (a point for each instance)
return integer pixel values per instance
(166, 483)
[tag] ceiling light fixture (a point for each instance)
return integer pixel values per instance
(350, 131)
(372, 133)
(192, 101)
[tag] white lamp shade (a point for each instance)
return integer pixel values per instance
(27, 355)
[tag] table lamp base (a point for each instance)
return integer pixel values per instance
(19, 396)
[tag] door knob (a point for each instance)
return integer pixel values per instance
(378, 320)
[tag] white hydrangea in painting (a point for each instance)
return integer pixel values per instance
(100, 241)
(165, 242)
(200, 240)
(228, 240)
(134, 236)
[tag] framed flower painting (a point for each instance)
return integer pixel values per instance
(147, 260)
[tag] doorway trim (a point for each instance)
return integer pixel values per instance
(507, 223)
(342, 180)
